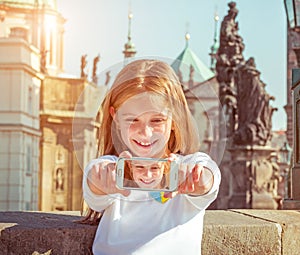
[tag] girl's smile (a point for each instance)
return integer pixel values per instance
(144, 144)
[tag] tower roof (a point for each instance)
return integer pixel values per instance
(129, 47)
(30, 4)
(187, 60)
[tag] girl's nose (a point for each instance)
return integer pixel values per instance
(148, 173)
(146, 130)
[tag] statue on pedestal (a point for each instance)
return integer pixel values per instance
(95, 63)
(250, 176)
(83, 73)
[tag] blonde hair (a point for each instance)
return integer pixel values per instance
(158, 78)
(155, 77)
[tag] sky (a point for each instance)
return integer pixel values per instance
(158, 29)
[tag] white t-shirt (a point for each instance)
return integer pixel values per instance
(140, 225)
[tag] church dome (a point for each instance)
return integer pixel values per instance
(30, 4)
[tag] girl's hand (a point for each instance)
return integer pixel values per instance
(193, 179)
(102, 179)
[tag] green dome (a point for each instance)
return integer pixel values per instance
(30, 4)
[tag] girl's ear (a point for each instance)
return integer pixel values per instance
(173, 126)
(112, 112)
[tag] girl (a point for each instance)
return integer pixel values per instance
(145, 114)
(146, 174)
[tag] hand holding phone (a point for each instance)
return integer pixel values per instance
(149, 174)
(102, 179)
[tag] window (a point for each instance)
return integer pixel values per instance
(27, 206)
(28, 160)
(29, 103)
(19, 32)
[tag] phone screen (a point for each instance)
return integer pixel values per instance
(147, 174)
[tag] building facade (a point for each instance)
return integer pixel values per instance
(19, 124)
(48, 127)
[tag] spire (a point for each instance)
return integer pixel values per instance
(187, 38)
(214, 48)
(187, 35)
(129, 48)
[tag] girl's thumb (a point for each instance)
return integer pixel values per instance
(125, 192)
(125, 154)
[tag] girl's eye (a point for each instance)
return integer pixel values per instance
(158, 120)
(131, 120)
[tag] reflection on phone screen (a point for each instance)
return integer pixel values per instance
(147, 174)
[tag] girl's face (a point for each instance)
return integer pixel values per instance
(147, 175)
(145, 125)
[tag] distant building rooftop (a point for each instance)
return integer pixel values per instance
(188, 60)
(30, 4)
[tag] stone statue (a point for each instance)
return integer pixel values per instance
(231, 46)
(251, 178)
(253, 105)
(229, 56)
(243, 97)
(59, 180)
(94, 75)
(83, 73)
(44, 61)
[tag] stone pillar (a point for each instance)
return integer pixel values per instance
(294, 202)
(293, 57)
(253, 178)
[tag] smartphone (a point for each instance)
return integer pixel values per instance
(151, 174)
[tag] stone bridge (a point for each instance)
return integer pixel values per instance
(236, 232)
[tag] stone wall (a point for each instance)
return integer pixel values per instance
(225, 232)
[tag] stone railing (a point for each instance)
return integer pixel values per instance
(225, 232)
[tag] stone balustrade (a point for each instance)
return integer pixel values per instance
(227, 232)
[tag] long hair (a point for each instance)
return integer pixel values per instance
(158, 78)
